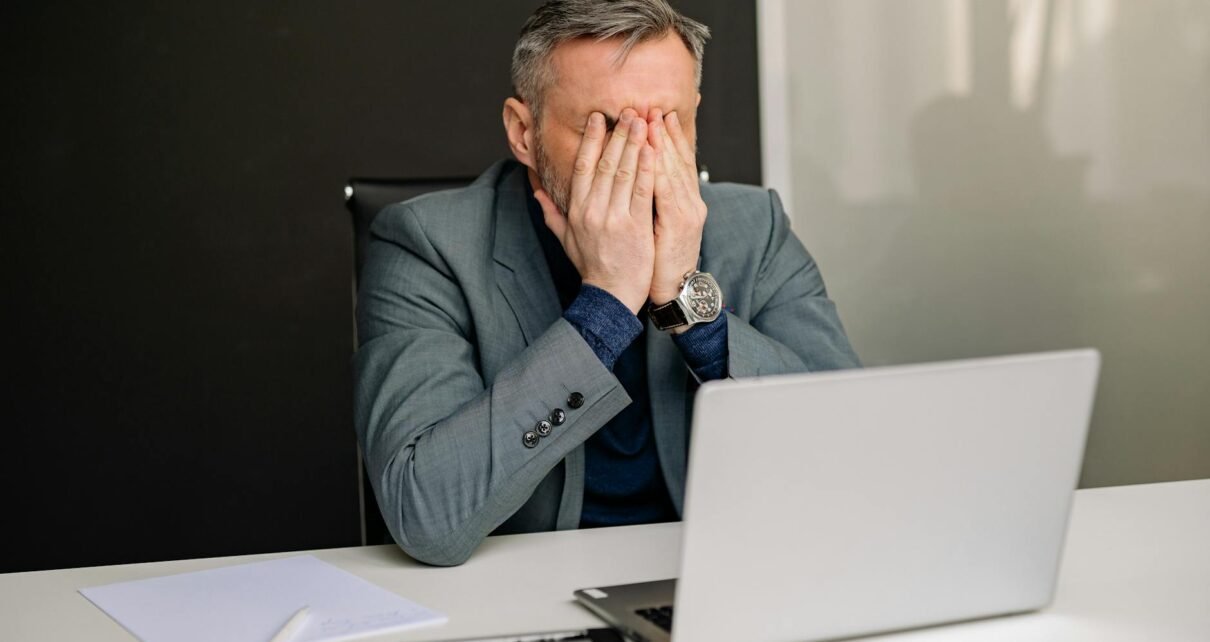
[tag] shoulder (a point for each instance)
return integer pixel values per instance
(734, 195)
(457, 216)
(741, 209)
(742, 218)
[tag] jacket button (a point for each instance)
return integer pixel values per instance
(557, 416)
(542, 428)
(575, 400)
(530, 439)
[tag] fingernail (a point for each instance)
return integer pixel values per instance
(595, 118)
(672, 118)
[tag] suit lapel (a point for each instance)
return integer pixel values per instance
(521, 270)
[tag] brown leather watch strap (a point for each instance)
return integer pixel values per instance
(667, 316)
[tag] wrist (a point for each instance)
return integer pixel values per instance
(699, 300)
(604, 322)
(665, 292)
(633, 301)
(660, 298)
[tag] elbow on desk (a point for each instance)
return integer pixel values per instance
(434, 514)
(441, 541)
(435, 549)
(427, 536)
(421, 542)
(436, 554)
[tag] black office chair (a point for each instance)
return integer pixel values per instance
(365, 198)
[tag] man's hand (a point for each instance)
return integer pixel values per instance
(680, 212)
(607, 233)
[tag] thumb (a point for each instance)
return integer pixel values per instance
(555, 219)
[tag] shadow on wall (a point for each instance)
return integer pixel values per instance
(1053, 193)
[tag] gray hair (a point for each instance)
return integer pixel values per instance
(557, 21)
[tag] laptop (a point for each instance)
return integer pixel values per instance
(841, 504)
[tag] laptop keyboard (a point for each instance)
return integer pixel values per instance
(660, 616)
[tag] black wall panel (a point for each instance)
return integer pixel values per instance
(178, 261)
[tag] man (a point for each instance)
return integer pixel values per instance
(530, 344)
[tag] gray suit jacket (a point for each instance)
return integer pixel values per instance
(463, 349)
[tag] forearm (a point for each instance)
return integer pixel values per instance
(609, 328)
(448, 463)
(816, 346)
(705, 350)
(605, 323)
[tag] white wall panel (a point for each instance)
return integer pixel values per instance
(982, 177)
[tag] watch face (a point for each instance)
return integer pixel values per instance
(704, 298)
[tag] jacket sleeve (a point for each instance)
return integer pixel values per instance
(793, 325)
(444, 450)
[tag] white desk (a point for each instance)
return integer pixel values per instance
(1137, 567)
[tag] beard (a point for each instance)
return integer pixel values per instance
(556, 183)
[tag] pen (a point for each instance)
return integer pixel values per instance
(292, 625)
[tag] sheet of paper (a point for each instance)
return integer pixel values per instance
(253, 601)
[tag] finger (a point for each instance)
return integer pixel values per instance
(644, 185)
(663, 149)
(555, 220)
(679, 176)
(656, 135)
(682, 172)
(654, 116)
(665, 197)
(623, 182)
(663, 185)
(607, 166)
(681, 140)
(586, 158)
(674, 165)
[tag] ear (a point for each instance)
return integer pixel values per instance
(519, 128)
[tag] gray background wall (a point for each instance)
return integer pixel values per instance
(178, 260)
(982, 177)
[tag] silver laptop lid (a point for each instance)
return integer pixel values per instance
(839, 504)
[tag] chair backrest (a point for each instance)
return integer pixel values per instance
(365, 198)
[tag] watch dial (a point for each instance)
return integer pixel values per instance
(704, 298)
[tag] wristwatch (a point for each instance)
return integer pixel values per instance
(700, 301)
